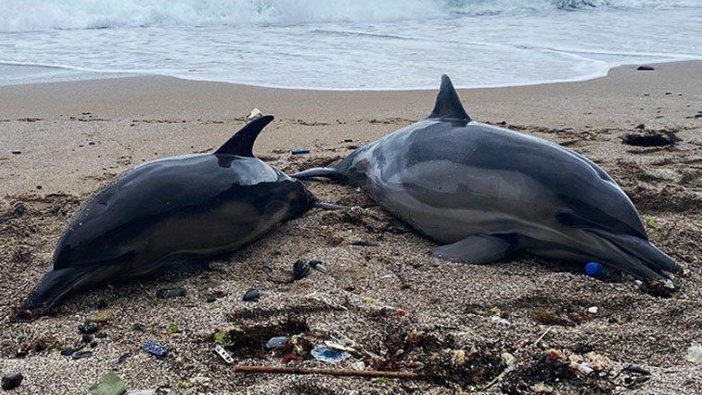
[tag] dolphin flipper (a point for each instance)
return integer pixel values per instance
(326, 172)
(478, 249)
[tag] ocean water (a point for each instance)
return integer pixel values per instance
(343, 44)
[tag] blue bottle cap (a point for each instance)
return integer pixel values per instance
(593, 269)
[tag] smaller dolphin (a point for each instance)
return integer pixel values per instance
(172, 210)
(484, 192)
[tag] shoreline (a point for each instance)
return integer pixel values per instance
(82, 75)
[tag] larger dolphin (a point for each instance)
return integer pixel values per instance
(484, 192)
(172, 210)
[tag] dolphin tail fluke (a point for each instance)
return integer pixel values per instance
(52, 287)
(324, 172)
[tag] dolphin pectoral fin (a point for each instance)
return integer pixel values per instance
(330, 206)
(326, 172)
(476, 249)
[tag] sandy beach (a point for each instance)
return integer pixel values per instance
(61, 142)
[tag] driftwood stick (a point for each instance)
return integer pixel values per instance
(330, 372)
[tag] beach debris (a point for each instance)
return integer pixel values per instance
(141, 392)
(82, 354)
(123, 357)
(662, 138)
(15, 152)
(541, 388)
(12, 380)
(327, 354)
(329, 372)
(592, 310)
(302, 269)
(154, 349)
(694, 353)
(277, 342)
(348, 140)
(601, 272)
(645, 68)
(252, 295)
(255, 113)
(300, 151)
(640, 126)
(167, 293)
(109, 384)
(88, 328)
(226, 357)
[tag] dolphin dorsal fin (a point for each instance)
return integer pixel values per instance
(448, 105)
(242, 142)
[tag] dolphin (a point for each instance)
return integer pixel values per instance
(172, 210)
(485, 192)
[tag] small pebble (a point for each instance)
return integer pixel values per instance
(251, 295)
(67, 352)
(87, 338)
(88, 328)
(82, 354)
(640, 126)
(300, 151)
(16, 152)
(93, 344)
(101, 335)
(12, 380)
(645, 68)
(277, 342)
(124, 357)
(593, 310)
(167, 293)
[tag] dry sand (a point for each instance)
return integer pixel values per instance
(382, 290)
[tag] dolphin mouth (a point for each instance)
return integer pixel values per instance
(637, 256)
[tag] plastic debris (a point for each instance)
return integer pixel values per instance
(302, 269)
(251, 295)
(300, 151)
(694, 353)
(594, 269)
(223, 354)
(12, 380)
(254, 114)
(277, 342)
(167, 293)
(326, 354)
(109, 384)
(154, 349)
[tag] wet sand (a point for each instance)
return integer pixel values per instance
(382, 289)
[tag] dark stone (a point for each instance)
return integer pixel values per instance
(640, 126)
(82, 354)
(88, 328)
(348, 140)
(93, 344)
(210, 299)
(645, 68)
(87, 338)
(300, 151)
(167, 293)
(251, 295)
(15, 152)
(124, 357)
(12, 380)
(101, 335)
(67, 352)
